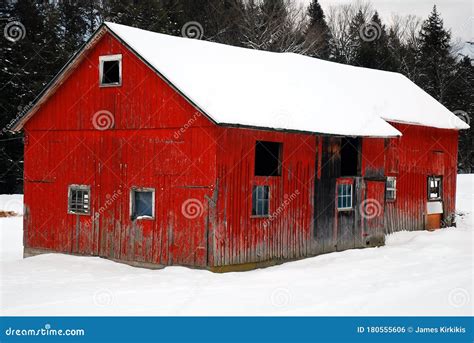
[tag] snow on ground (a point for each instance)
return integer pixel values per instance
(416, 273)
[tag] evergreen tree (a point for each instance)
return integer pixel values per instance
(21, 75)
(221, 19)
(434, 60)
(73, 25)
(461, 100)
(318, 33)
(152, 15)
(357, 46)
(370, 43)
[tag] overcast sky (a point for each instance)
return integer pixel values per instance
(458, 15)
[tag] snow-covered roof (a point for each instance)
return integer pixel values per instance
(239, 86)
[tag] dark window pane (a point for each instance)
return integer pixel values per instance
(267, 158)
(110, 72)
(254, 201)
(143, 204)
(350, 156)
(344, 196)
(78, 200)
(434, 188)
(265, 208)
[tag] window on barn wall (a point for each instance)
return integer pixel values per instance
(110, 70)
(434, 188)
(344, 197)
(79, 199)
(391, 188)
(349, 156)
(142, 203)
(268, 158)
(260, 200)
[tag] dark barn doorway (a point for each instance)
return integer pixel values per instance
(350, 160)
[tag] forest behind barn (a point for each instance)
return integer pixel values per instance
(40, 36)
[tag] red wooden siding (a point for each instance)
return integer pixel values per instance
(421, 152)
(241, 238)
(158, 140)
(203, 175)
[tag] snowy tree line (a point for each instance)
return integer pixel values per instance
(47, 33)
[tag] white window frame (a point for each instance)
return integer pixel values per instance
(392, 188)
(257, 199)
(350, 195)
(440, 180)
(83, 188)
(108, 58)
(132, 202)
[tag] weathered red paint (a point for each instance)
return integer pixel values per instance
(144, 148)
(241, 238)
(422, 151)
(159, 140)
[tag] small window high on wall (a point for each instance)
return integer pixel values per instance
(110, 70)
(349, 156)
(268, 158)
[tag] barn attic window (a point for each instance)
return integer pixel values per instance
(78, 199)
(142, 203)
(434, 188)
(110, 70)
(268, 158)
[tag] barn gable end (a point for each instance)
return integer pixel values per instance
(114, 140)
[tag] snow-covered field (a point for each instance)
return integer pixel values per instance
(416, 273)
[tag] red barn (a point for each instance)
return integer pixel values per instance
(156, 150)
